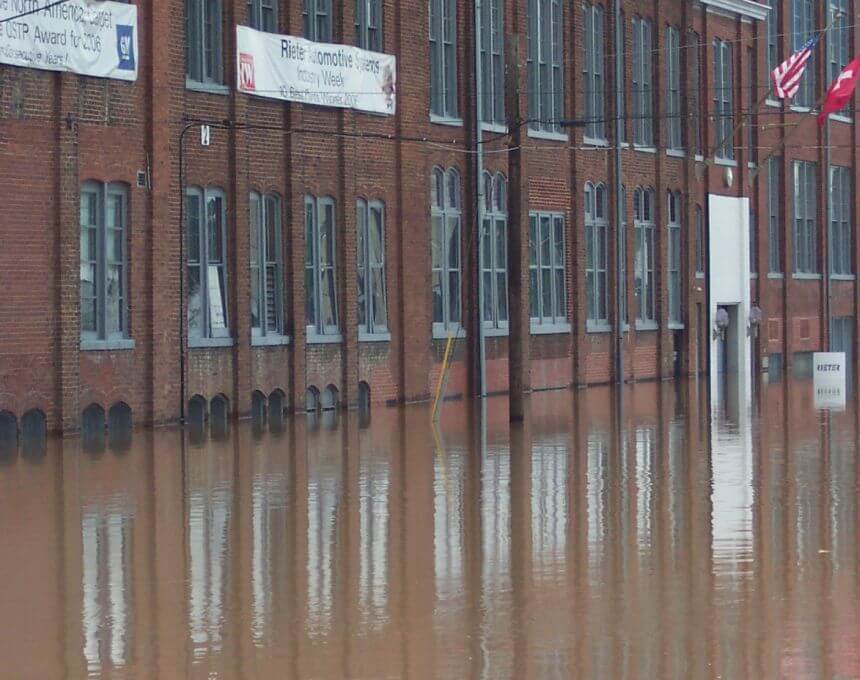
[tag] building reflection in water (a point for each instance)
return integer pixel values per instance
(650, 539)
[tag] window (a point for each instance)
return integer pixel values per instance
(593, 65)
(750, 97)
(643, 261)
(622, 112)
(320, 283)
(204, 41)
(841, 243)
(723, 110)
(839, 39)
(206, 256)
(596, 250)
(700, 240)
(674, 139)
(368, 25)
(372, 307)
(267, 266)
(753, 235)
(104, 261)
(443, 59)
(805, 247)
(492, 61)
(675, 255)
(694, 52)
(317, 19)
(643, 104)
(772, 29)
(544, 65)
(495, 252)
(774, 220)
(548, 294)
(622, 234)
(803, 28)
(445, 224)
(263, 15)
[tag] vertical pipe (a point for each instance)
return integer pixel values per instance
(620, 230)
(479, 201)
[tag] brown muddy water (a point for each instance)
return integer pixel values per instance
(663, 543)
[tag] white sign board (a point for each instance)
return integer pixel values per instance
(77, 36)
(829, 380)
(217, 322)
(297, 70)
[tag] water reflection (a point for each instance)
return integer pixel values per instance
(678, 545)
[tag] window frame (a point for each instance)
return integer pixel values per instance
(674, 259)
(805, 216)
(701, 264)
(645, 226)
(774, 215)
(209, 335)
(314, 328)
(545, 64)
(493, 62)
(838, 44)
(267, 203)
(444, 86)
(316, 16)
(557, 321)
(594, 71)
(674, 89)
(445, 210)
(101, 338)
(596, 244)
(198, 42)
(368, 36)
(257, 16)
(840, 237)
(370, 330)
(724, 121)
(802, 29)
(495, 243)
(695, 109)
(643, 83)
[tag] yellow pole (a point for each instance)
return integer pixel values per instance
(443, 376)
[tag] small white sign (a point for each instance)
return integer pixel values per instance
(828, 370)
(205, 135)
(217, 322)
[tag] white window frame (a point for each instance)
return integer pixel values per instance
(596, 256)
(805, 218)
(444, 96)
(371, 270)
(369, 21)
(644, 201)
(493, 62)
(100, 261)
(266, 256)
(674, 246)
(674, 86)
(201, 35)
(211, 331)
(316, 270)
(544, 66)
(557, 318)
(695, 107)
(701, 263)
(643, 95)
(317, 20)
(446, 214)
(495, 256)
(724, 121)
(774, 215)
(841, 220)
(593, 71)
(263, 15)
(802, 29)
(838, 43)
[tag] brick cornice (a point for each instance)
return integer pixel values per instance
(745, 8)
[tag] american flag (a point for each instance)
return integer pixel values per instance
(786, 77)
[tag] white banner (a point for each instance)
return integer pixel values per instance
(78, 36)
(297, 70)
(829, 380)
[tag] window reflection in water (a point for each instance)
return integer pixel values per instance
(447, 521)
(107, 609)
(374, 487)
(597, 491)
(209, 519)
(645, 445)
(549, 504)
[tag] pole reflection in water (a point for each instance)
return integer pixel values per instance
(647, 537)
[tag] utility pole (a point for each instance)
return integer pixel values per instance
(479, 201)
(518, 292)
(620, 230)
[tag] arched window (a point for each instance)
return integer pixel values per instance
(312, 400)
(267, 267)
(675, 256)
(330, 398)
(321, 305)
(494, 254)
(363, 404)
(206, 261)
(197, 410)
(8, 435)
(596, 255)
(120, 427)
(258, 408)
(643, 264)
(93, 428)
(34, 434)
(372, 306)
(219, 416)
(277, 408)
(446, 234)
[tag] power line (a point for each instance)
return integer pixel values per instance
(33, 11)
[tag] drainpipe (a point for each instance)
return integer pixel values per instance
(479, 199)
(620, 230)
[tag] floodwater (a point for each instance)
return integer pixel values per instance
(674, 546)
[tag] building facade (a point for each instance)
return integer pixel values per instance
(311, 256)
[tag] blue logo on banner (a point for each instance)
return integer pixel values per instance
(125, 47)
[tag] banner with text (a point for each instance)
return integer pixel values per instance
(297, 70)
(78, 36)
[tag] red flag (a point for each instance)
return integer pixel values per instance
(840, 91)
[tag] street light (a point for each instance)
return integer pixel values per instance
(721, 323)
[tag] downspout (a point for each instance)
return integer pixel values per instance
(479, 200)
(620, 228)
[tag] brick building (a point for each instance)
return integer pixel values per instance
(96, 162)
